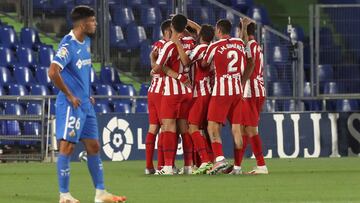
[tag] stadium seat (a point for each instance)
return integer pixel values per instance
(109, 75)
(326, 38)
(29, 38)
(31, 128)
(125, 90)
(144, 89)
(117, 39)
(24, 76)
(41, 75)
(26, 57)
(310, 105)
(259, 14)
(280, 89)
(34, 109)
(331, 88)
(135, 36)
(2, 93)
(325, 73)
(12, 126)
(269, 105)
(150, 16)
(156, 33)
(16, 89)
(241, 5)
(8, 37)
(145, 50)
(271, 73)
(102, 108)
(94, 79)
(202, 15)
(39, 90)
(347, 105)
(46, 55)
(280, 54)
(7, 57)
(5, 76)
(285, 105)
(141, 107)
(104, 90)
(122, 16)
(120, 107)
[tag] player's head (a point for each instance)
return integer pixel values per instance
(83, 17)
(178, 23)
(165, 29)
(223, 27)
(206, 33)
(250, 29)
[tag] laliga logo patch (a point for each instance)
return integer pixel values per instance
(62, 53)
(117, 139)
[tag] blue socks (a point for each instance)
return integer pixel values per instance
(63, 172)
(96, 170)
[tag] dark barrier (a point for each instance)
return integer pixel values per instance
(285, 135)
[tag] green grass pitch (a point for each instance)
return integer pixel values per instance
(290, 180)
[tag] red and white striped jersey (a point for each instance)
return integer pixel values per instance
(200, 76)
(169, 57)
(254, 86)
(157, 84)
(228, 58)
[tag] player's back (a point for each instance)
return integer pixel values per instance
(228, 58)
(74, 59)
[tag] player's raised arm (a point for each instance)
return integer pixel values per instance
(194, 25)
(250, 59)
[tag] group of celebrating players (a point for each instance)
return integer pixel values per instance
(196, 86)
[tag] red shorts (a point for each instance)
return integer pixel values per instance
(175, 106)
(250, 111)
(154, 104)
(222, 107)
(198, 111)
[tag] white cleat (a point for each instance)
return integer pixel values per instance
(165, 171)
(149, 171)
(105, 197)
(259, 170)
(67, 198)
(236, 172)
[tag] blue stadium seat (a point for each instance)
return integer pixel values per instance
(94, 79)
(242, 5)
(271, 73)
(136, 3)
(280, 54)
(347, 105)
(259, 14)
(5, 76)
(109, 75)
(41, 75)
(13, 127)
(331, 88)
(31, 128)
(102, 108)
(117, 39)
(16, 89)
(280, 89)
(26, 57)
(104, 90)
(122, 16)
(29, 38)
(8, 37)
(135, 36)
(125, 90)
(325, 73)
(39, 90)
(54, 90)
(150, 16)
(24, 76)
(34, 109)
(141, 107)
(310, 105)
(120, 107)
(145, 50)
(202, 14)
(46, 55)
(326, 38)
(52, 106)
(144, 89)
(7, 57)
(285, 105)
(156, 33)
(269, 106)
(2, 92)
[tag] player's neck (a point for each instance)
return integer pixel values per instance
(80, 36)
(251, 37)
(225, 37)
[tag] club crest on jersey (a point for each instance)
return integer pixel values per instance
(62, 53)
(72, 133)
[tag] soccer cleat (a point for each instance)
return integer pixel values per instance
(236, 172)
(149, 171)
(165, 171)
(67, 198)
(203, 169)
(219, 167)
(106, 197)
(259, 170)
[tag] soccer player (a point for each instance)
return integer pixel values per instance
(228, 57)
(154, 101)
(75, 115)
(177, 97)
(254, 97)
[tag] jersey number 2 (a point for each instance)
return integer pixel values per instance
(235, 57)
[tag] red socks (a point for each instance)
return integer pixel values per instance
(188, 149)
(169, 147)
(217, 148)
(160, 154)
(239, 153)
(200, 146)
(149, 149)
(208, 148)
(255, 142)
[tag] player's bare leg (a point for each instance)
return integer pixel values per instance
(169, 145)
(256, 146)
(200, 148)
(95, 166)
(214, 130)
(150, 147)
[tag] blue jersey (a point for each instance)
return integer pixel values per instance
(74, 58)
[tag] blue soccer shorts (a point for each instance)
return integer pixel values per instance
(73, 124)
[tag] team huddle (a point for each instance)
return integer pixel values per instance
(196, 86)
